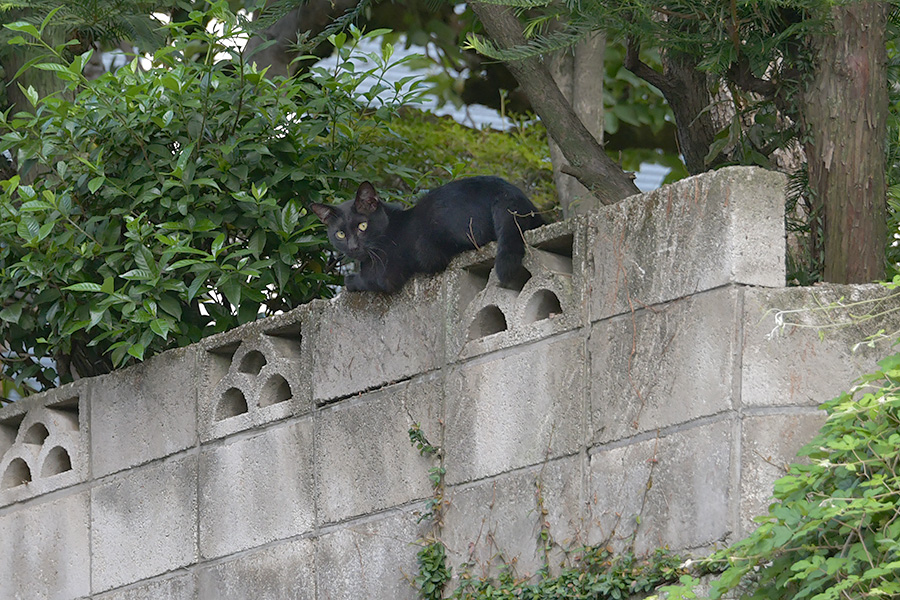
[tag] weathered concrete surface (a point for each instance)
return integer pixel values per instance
(483, 316)
(819, 349)
(366, 340)
(664, 365)
(144, 522)
(256, 490)
(514, 410)
(44, 550)
(680, 486)
(503, 518)
(363, 449)
(44, 444)
(372, 558)
(255, 374)
(144, 412)
(628, 387)
(278, 572)
(769, 443)
(182, 587)
(697, 234)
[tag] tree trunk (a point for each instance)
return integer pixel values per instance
(12, 98)
(845, 113)
(587, 161)
(579, 75)
(44, 82)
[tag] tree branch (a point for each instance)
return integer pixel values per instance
(634, 64)
(587, 161)
(739, 72)
(685, 89)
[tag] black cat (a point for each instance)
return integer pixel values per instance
(391, 243)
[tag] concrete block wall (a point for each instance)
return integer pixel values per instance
(631, 374)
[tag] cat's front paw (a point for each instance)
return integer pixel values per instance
(354, 283)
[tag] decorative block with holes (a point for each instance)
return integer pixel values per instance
(252, 375)
(547, 298)
(43, 444)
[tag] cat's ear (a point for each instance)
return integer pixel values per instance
(324, 212)
(367, 200)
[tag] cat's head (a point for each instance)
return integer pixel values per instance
(354, 226)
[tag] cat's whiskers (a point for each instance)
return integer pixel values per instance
(377, 255)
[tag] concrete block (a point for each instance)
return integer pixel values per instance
(514, 409)
(178, 587)
(663, 366)
(795, 365)
(549, 298)
(43, 443)
(257, 489)
(365, 340)
(44, 549)
(144, 412)
(144, 523)
(364, 459)
(255, 374)
(679, 485)
(769, 443)
(370, 558)
(284, 571)
(498, 522)
(700, 233)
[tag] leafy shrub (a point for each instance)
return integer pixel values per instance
(433, 571)
(167, 201)
(834, 530)
(596, 573)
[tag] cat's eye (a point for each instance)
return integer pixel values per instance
(363, 225)
(340, 235)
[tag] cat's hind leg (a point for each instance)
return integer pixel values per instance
(510, 245)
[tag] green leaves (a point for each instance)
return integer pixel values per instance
(833, 530)
(591, 572)
(95, 183)
(23, 27)
(84, 287)
(166, 211)
(433, 570)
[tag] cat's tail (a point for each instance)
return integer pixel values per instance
(509, 224)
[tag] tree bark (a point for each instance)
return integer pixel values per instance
(587, 161)
(845, 109)
(44, 82)
(686, 89)
(579, 76)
